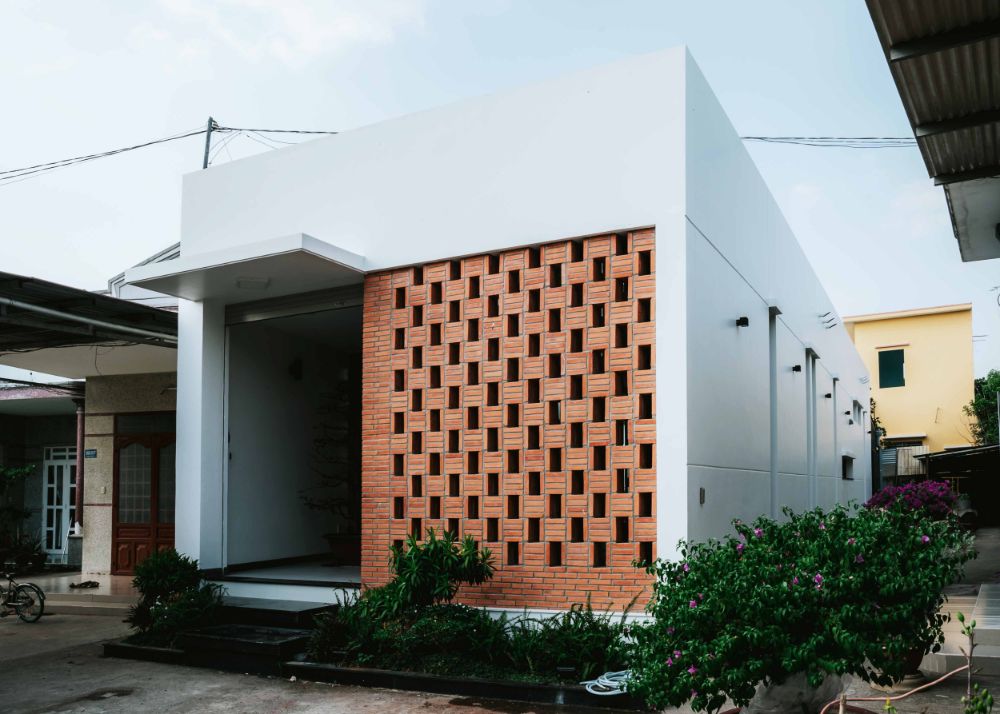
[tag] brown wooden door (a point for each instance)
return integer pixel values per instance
(143, 501)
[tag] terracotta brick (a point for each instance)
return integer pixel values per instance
(497, 294)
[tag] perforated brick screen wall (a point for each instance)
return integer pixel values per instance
(510, 397)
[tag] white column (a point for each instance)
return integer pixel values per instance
(200, 433)
(673, 487)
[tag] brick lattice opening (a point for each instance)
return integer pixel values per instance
(510, 397)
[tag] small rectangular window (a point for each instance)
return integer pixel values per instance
(890, 369)
(847, 468)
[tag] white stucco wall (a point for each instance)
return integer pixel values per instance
(742, 258)
(641, 142)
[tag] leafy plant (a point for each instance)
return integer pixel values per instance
(13, 542)
(983, 409)
(935, 498)
(172, 598)
(336, 454)
(976, 700)
(410, 623)
(840, 591)
(431, 572)
(579, 641)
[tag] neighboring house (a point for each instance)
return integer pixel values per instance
(568, 320)
(922, 377)
(114, 430)
(38, 425)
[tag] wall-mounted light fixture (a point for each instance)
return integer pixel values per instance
(847, 413)
(828, 395)
(743, 321)
(797, 368)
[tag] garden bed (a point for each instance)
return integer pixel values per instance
(572, 695)
(145, 653)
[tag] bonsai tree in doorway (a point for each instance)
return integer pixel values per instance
(336, 462)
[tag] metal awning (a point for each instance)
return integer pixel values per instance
(944, 56)
(57, 329)
(273, 268)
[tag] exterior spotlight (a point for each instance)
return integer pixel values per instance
(797, 368)
(828, 395)
(743, 321)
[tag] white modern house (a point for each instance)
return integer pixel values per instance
(568, 319)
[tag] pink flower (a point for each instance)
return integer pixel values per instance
(925, 539)
(851, 541)
(859, 558)
(739, 547)
(686, 568)
(795, 580)
(692, 670)
(692, 604)
(822, 526)
(758, 532)
(670, 662)
(677, 654)
(818, 579)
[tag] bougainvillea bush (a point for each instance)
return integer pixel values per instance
(851, 590)
(934, 497)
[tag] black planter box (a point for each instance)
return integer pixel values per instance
(572, 695)
(146, 653)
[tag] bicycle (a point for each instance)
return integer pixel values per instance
(26, 600)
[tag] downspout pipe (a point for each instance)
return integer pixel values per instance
(59, 314)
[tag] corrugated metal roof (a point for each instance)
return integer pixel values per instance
(944, 56)
(36, 314)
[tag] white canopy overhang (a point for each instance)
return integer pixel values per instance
(253, 271)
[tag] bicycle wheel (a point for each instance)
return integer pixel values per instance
(28, 602)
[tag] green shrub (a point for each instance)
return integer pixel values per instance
(172, 598)
(589, 643)
(431, 572)
(410, 624)
(844, 591)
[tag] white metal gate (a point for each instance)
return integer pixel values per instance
(58, 499)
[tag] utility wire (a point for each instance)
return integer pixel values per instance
(9, 176)
(839, 142)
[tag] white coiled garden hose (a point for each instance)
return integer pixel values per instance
(609, 683)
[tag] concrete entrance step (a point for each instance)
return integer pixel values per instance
(987, 615)
(267, 612)
(243, 648)
(986, 660)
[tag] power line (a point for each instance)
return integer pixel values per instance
(7, 175)
(277, 131)
(839, 142)
(10, 176)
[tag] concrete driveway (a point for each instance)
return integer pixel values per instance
(56, 665)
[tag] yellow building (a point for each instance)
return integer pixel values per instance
(921, 369)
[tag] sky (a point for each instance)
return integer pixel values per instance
(81, 77)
